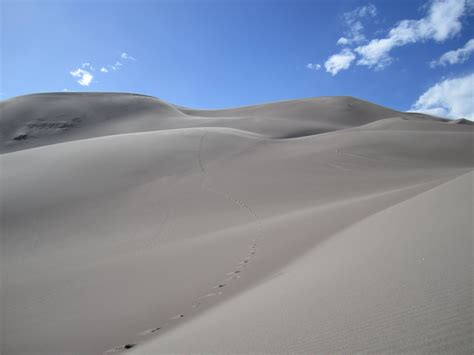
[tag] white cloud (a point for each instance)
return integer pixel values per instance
(126, 56)
(456, 56)
(453, 98)
(343, 41)
(353, 20)
(84, 78)
(313, 66)
(83, 73)
(340, 61)
(116, 66)
(65, 90)
(375, 54)
(442, 22)
(368, 10)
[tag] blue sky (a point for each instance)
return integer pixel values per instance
(215, 54)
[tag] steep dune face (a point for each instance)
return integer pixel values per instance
(152, 228)
(41, 119)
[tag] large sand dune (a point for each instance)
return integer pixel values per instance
(327, 225)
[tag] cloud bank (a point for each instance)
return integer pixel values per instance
(443, 21)
(452, 98)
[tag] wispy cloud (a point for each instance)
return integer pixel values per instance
(313, 66)
(353, 21)
(456, 56)
(340, 61)
(449, 98)
(104, 70)
(115, 66)
(88, 66)
(126, 56)
(443, 21)
(84, 78)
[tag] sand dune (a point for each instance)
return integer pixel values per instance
(40, 119)
(327, 225)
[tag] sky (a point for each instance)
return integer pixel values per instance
(413, 55)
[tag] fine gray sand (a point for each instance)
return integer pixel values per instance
(318, 226)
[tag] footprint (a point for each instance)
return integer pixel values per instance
(178, 316)
(121, 348)
(233, 272)
(219, 286)
(150, 331)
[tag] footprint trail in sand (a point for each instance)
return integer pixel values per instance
(230, 276)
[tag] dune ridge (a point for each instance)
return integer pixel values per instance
(39, 119)
(326, 225)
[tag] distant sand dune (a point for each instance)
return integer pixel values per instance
(327, 225)
(40, 119)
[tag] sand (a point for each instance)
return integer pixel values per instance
(326, 225)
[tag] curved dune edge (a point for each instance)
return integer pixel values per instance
(405, 283)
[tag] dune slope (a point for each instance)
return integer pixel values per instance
(149, 228)
(378, 286)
